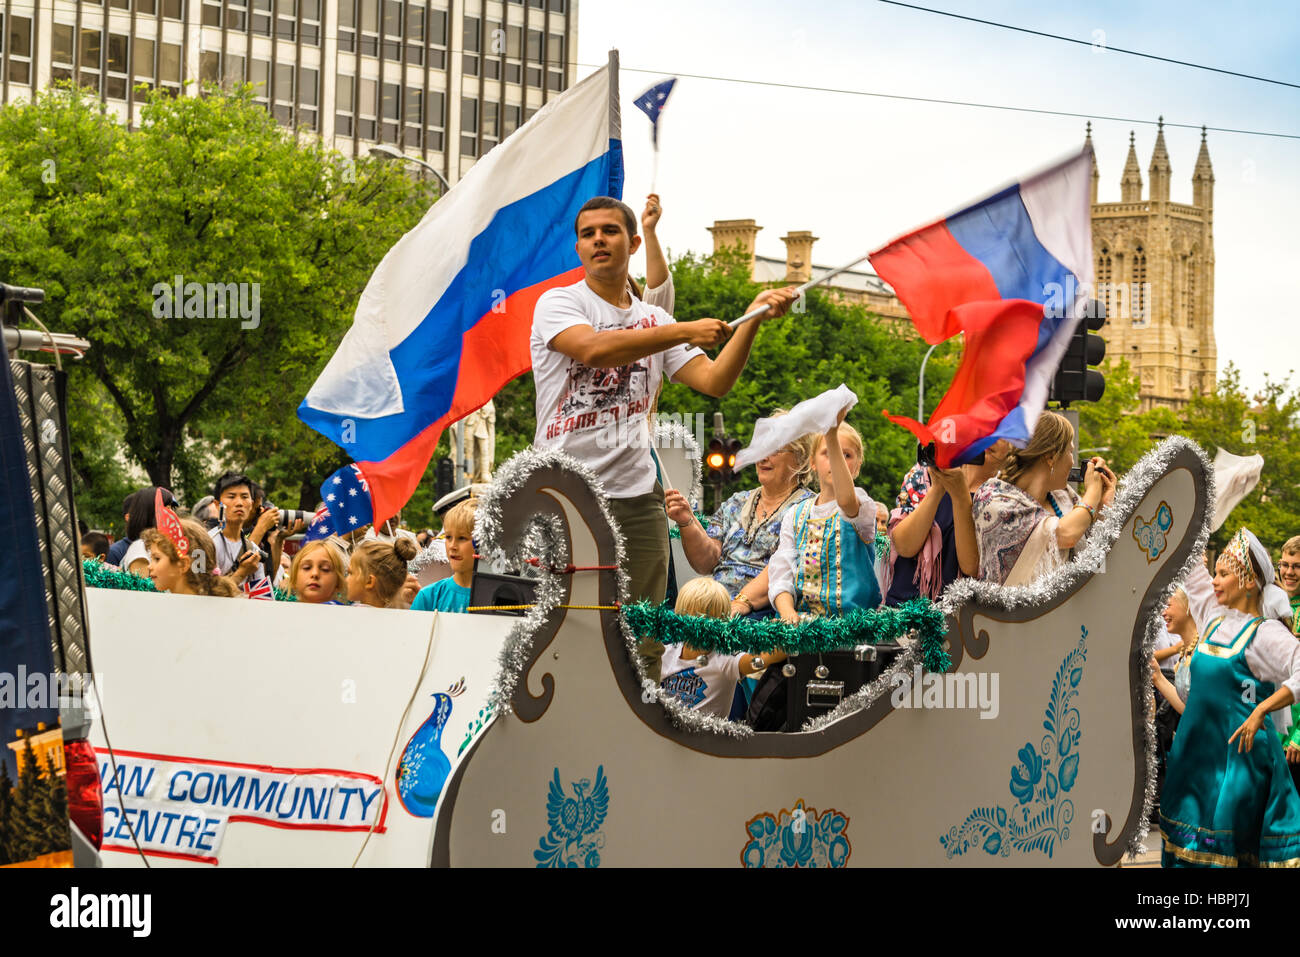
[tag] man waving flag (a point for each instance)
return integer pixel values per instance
(444, 322)
(1013, 273)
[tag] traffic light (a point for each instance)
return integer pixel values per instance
(715, 460)
(444, 478)
(732, 447)
(1075, 380)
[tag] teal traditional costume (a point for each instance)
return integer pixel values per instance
(826, 561)
(1222, 807)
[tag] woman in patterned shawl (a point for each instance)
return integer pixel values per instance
(742, 535)
(1027, 519)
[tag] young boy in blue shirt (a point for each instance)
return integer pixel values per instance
(452, 594)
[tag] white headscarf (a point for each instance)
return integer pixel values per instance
(1273, 601)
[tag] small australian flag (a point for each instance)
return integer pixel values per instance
(347, 504)
(652, 102)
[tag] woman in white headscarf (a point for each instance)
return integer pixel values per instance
(1228, 799)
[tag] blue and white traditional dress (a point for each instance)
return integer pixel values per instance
(1221, 807)
(827, 560)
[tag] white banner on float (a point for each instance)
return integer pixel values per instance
(180, 806)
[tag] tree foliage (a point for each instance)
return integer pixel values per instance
(212, 190)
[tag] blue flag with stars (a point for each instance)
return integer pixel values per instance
(347, 504)
(652, 102)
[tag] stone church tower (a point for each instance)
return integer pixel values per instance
(1155, 270)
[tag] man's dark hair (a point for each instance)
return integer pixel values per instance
(608, 202)
(97, 541)
(231, 480)
(140, 513)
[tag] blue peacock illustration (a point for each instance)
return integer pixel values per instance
(423, 768)
(1151, 534)
(575, 838)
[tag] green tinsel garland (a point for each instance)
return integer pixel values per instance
(675, 531)
(730, 636)
(100, 576)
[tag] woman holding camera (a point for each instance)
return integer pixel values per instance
(1029, 518)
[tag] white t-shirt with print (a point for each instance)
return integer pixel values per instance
(707, 683)
(599, 416)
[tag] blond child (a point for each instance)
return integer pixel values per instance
(825, 563)
(706, 681)
(452, 594)
(316, 575)
(378, 571)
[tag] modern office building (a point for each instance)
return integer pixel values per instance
(443, 80)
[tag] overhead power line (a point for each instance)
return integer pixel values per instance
(931, 99)
(1089, 43)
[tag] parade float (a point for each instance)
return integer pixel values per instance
(1012, 731)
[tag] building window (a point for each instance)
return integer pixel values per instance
(234, 72)
(88, 62)
(557, 6)
(142, 60)
(146, 6)
(555, 49)
(237, 15)
(438, 39)
(308, 96)
(392, 30)
(209, 66)
(535, 46)
(20, 49)
(414, 118)
(284, 76)
(491, 125)
(513, 119)
(391, 112)
(211, 13)
(172, 9)
(473, 46)
(415, 35)
(435, 120)
(368, 110)
(118, 75)
(286, 20)
(262, 17)
(169, 67)
(259, 74)
(535, 76)
(344, 104)
(61, 51)
(1189, 265)
(120, 4)
(555, 80)
(310, 22)
(347, 25)
(370, 27)
(1140, 303)
(468, 126)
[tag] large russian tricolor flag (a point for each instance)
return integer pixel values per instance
(444, 322)
(1013, 273)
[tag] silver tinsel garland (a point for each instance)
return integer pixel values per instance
(545, 539)
(669, 434)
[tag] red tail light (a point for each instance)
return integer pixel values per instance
(85, 797)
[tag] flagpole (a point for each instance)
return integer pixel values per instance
(755, 313)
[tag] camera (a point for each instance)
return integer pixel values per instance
(287, 516)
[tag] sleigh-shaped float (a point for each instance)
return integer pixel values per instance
(413, 738)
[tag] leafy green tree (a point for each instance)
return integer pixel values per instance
(1264, 424)
(212, 190)
(6, 813)
(1116, 428)
(26, 819)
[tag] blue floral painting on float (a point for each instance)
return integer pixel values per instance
(1151, 535)
(799, 837)
(1041, 813)
(575, 838)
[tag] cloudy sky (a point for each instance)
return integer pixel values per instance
(859, 170)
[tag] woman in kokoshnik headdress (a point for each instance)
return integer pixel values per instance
(1228, 799)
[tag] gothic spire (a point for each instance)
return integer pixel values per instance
(1130, 184)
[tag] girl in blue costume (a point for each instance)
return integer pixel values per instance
(1228, 800)
(825, 563)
